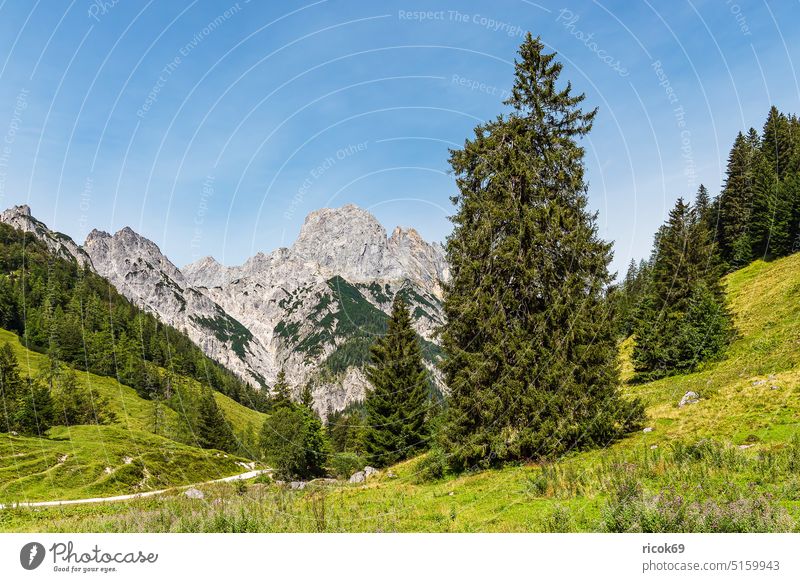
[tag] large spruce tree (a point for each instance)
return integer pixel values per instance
(530, 353)
(682, 320)
(11, 387)
(213, 431)
(398, 402)
(735, 204)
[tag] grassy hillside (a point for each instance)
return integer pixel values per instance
(125, 457)
(99, 461)
(731, 462)
(132, 411)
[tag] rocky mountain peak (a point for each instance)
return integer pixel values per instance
(347, 241)
(97, 234)
(206, 272)
(127, 247)
(20, 217)
(399, 234)
(23, 210)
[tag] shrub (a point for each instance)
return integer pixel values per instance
(559, 520)
(432, 466)
(345, 464)
(293, 442)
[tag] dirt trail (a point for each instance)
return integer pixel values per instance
(240, 477)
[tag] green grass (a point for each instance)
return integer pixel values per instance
(124, 457)
(99, 461)
(132, 411)
(728, 463)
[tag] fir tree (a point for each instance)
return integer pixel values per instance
(74, 403)
(397, 403)
(531, 356)
(34, 411)
(683, 319)
(281, 391)
(345, 429)
(707, 211)
(213, 431)
(11, 386)
(735, 204)
(777, 144)
(626, 297)
(307, 397)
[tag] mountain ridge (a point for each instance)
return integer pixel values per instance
(311, 309)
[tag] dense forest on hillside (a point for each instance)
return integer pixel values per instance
(672, 302)
(78, 318)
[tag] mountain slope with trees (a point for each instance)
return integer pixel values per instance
(740, 441)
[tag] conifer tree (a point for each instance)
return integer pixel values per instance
(397, 404)
(707, 211)
(213, 431)
(11, 387)
(293, 441)
(530, 352)
(34, 411)
(307, 397)
(281, 393)
(776, 143)
(735, 204)
(683, 320)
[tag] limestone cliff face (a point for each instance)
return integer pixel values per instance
(20, 218)
(320, 302)
(138, 269)
(311, 309)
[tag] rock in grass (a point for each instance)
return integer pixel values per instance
(193, 493)
(689, 398)
(297, 485)
(369, 472)
(358, 477)
(647, 429)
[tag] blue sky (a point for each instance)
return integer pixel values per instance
(213, 128)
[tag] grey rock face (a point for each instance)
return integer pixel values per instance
(20, 218)
(138, 269)
(310, 309)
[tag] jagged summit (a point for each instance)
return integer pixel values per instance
(97, 233)
(20, 210)
(305, 309)
(20, 217)
(347, 241)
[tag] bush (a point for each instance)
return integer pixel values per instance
(293, 442)
(432, 466)
(345, 464)
(559, 520)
